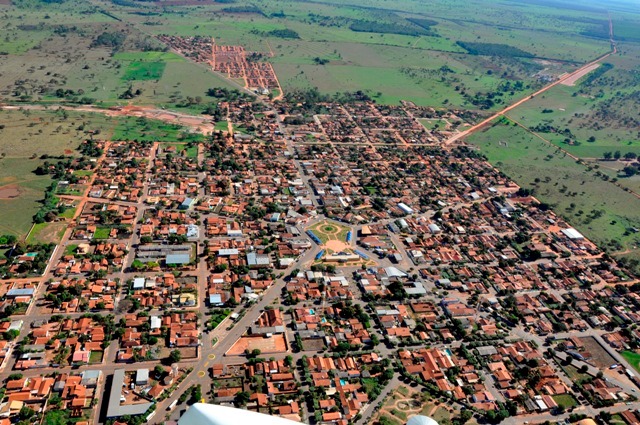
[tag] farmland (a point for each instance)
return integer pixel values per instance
(586, 107)
(435, 57)
(337, 48)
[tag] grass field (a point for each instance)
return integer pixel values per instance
(617, 419)
(327, 231)
(632, 358)
(47, 233)
(222, 126)
(151, 130)
(560, 181)
(573, 374)
(190, 151)
(25, 137)
(17, 212)
(565, 400)
(102, 233)
(96, 357)
(144, 71)
(34, 133)
(399, 66)
(433, 124)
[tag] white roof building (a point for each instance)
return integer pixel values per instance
(572, 233)
(212, 414)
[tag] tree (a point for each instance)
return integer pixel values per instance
(220, 268)
(159, 371)
(7, 239)
(242, 398)
(175, 356)
(26, 413)
(605, 417)
(464, 417)
(10, 335)
(288, 361)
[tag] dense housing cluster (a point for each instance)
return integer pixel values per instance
(303, 262)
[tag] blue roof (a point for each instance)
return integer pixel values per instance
(177, 259)
(20, 292)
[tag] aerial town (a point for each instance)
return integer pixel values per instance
(333, 263)
(322, 212)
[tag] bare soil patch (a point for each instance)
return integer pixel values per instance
(599, 356)
(574, 78)
(9, 191)
(270, 345)
(336, 246)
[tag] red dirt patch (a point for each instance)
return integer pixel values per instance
(66, 151)
(273, 344)
(9, 191)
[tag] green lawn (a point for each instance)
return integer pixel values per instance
(68, 213)
(565, 400)
(144, 71)
(95, 357)
(73, 191)
(102, 233)
(433, 124)
(632, 358)
(189, 151)
(399, 414)
(148, 57)
(572, 372)
(222, 126)
(60, 417)
(617, 419)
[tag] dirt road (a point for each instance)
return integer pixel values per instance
(197, 123)
(569, 77)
